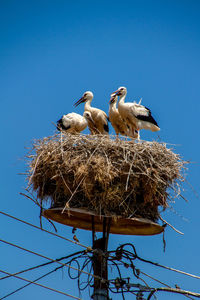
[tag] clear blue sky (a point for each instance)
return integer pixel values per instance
(53, 51)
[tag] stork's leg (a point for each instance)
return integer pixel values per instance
(138, 135)
(117, 136)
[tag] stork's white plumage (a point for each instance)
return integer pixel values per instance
(137, 115)
(115, 118)
(125, 109)
(73, 123)
(98, 116)
(144, 118)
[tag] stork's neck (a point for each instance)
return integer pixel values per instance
(113, 106)
(122, 98)
(88, 104)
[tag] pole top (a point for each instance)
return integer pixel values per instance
(82, 218)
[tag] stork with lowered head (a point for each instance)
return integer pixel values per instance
(74, 123)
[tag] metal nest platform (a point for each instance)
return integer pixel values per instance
(83, 219)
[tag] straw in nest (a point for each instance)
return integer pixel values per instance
(104, 175)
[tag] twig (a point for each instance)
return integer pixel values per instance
(37, 159)
(171, 226)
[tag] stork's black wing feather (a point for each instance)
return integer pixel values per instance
(106, 128)
(144, 114)
(61, 126)
(148, 118)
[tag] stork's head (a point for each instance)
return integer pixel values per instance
(88, 116)
(121, 91)
(113, 98)
(87, 96)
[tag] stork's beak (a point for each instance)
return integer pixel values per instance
(81, 100)
(117, 93)
(89, 117)
(112, 99)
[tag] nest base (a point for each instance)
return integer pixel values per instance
(80, 218)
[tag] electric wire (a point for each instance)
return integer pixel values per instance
(166, 285)
(37, 227)
(54, 260)
(135, 256)
(42, 265)
(48, 273)
(169, 268)
(177, 291)
(151, 277)
(90, 250)
(26, 285)
(121, 253)
(74, 258)
(40, 285)
(77, 243)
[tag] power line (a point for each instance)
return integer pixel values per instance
(53, 260)
(168, 268)
(52, 233)
(151, 277)
(90, 249)
(171, 290)
(40, 285)
(42, 265)
(121, 253)
(41, 277)
(155, 279)
(22, 287)
(134, 256)
(166, 285)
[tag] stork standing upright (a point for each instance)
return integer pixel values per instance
(136, 115)
(99, 117)
(115, 118)
(74, 123)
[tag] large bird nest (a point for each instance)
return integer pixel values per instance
(106, 176)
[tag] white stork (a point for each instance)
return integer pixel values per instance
(136, 115)
(115, 118)
(98, 116)
(74, 123)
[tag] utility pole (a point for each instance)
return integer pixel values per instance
(100, 263)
